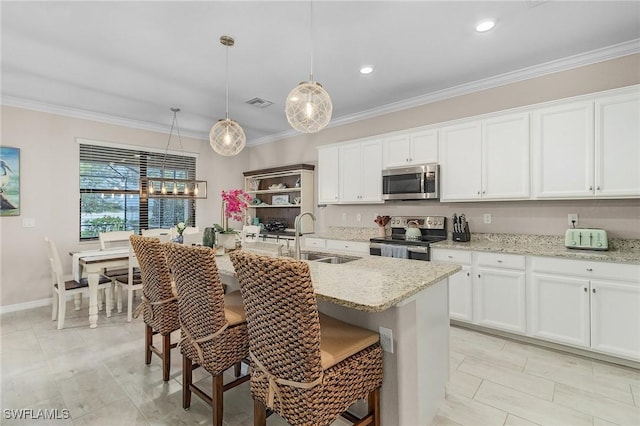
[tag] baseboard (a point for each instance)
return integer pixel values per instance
(26, 305)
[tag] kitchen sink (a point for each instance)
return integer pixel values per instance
(327, 257)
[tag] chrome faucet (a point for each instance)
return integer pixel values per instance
(296, 225)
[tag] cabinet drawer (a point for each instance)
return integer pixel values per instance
(500, 260)
(356, 246)
(314, 242)
(588, 269)
(453, 256)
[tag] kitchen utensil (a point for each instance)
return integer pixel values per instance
(412, 231)
(454, 223)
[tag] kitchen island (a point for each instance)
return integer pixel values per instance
(408, 297)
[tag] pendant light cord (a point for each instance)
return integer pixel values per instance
(227, 78)
(311, 36)
(173, 123)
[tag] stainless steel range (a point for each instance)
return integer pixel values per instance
(410, 237)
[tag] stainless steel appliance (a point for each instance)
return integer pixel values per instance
(432, 229)
(411, 183)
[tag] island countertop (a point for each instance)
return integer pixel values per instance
(371, 283)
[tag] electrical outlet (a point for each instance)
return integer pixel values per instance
(344, 217)
(386, 339)
(358, 217)
(487, 218)
(572, 219)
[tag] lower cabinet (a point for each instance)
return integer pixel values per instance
(591, 305)
(460, 283)
(501, 302)
(358, 247)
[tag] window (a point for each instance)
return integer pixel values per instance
(110, 192)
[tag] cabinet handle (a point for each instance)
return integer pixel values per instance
(450, 257)
(591, 188)
(593, 290)
(478, 192)
(468, 274)
(478, 275)
(484, 192)
(598, 188)
(407, 160)
(499, 261)
(585, 290)
(589, 269)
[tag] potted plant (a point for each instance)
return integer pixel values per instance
(234, 206)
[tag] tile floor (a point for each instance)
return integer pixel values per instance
(99, 375)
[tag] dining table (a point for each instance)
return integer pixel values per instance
(93, 263)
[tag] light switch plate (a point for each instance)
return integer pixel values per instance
(28, 222)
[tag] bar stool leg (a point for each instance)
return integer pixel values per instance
(216, 400)
(166, 356)
(259, 413)
(187, 370)
(148, 341)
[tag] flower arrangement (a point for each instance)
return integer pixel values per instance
(180, 227)
(234, 204)
(382, 220)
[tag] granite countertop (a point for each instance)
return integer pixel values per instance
(371, 283)
(620, 251)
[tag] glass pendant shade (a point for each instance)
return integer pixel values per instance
(227, 137)
(308, 107)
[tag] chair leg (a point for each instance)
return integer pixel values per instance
(187, 377)
(374, 406)
(119, 298)
(129, 305)
(108, 301)
(166, 356)
(77, 301)
(259, 413)
(148, 341)
(54, 306)
(216, 399)
(62, 311)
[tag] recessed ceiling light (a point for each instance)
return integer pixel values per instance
(366, 69)
(485, 26)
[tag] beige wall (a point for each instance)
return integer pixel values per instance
(620, 217)
(50, 186)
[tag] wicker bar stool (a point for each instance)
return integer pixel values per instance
(159, 303)
(214, 325)
(307, 367)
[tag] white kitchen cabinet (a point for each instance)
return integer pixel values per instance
(594, 305)
(409, 149)
(500, 295)
(328, 174)
(486, 159)
(617, 145)
(361, 172)
(563, 147)
(345, 245)
(460, 283)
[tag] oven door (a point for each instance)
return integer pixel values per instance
(414, 252)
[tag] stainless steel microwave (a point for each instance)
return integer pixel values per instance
(411, 183)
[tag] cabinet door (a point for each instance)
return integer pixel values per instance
(563, 151)
(560, 309)
(461, 295)
(371, 176)
(328, 175)
(396, 151)
(617, 144)
(505, 157)
(460, 162)
(615, 318)
(350, 173)
(500, 296)
(424, 147)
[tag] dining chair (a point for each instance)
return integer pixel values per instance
(307, 367)
(130, 282)
(159, 302)
(192, 239)
(62, 288)
(163, 234)
(113, 239)
(213, 324)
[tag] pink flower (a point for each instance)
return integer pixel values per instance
(237, 202)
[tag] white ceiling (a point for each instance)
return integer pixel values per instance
(131, 61)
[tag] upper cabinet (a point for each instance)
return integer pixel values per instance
(588, 149)
(486, 159)
(328, 175)
(617, 146)
(361, 172)
(410, 149)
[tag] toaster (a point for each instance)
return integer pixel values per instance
(586, 239)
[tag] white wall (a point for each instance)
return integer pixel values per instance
(620, 217)
(49, 172)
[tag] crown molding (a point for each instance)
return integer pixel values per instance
(570, 62)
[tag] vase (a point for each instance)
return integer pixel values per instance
(382, 231)
(209, 237)
(179, 239)
(228, 241)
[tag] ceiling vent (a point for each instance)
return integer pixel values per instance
(259, 102)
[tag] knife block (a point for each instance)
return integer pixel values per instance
(462, 237)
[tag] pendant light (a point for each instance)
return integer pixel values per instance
(165, 187)
(308, 107)
(226, 136)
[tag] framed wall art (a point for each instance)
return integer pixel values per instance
(9, 181)
(279, 200)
